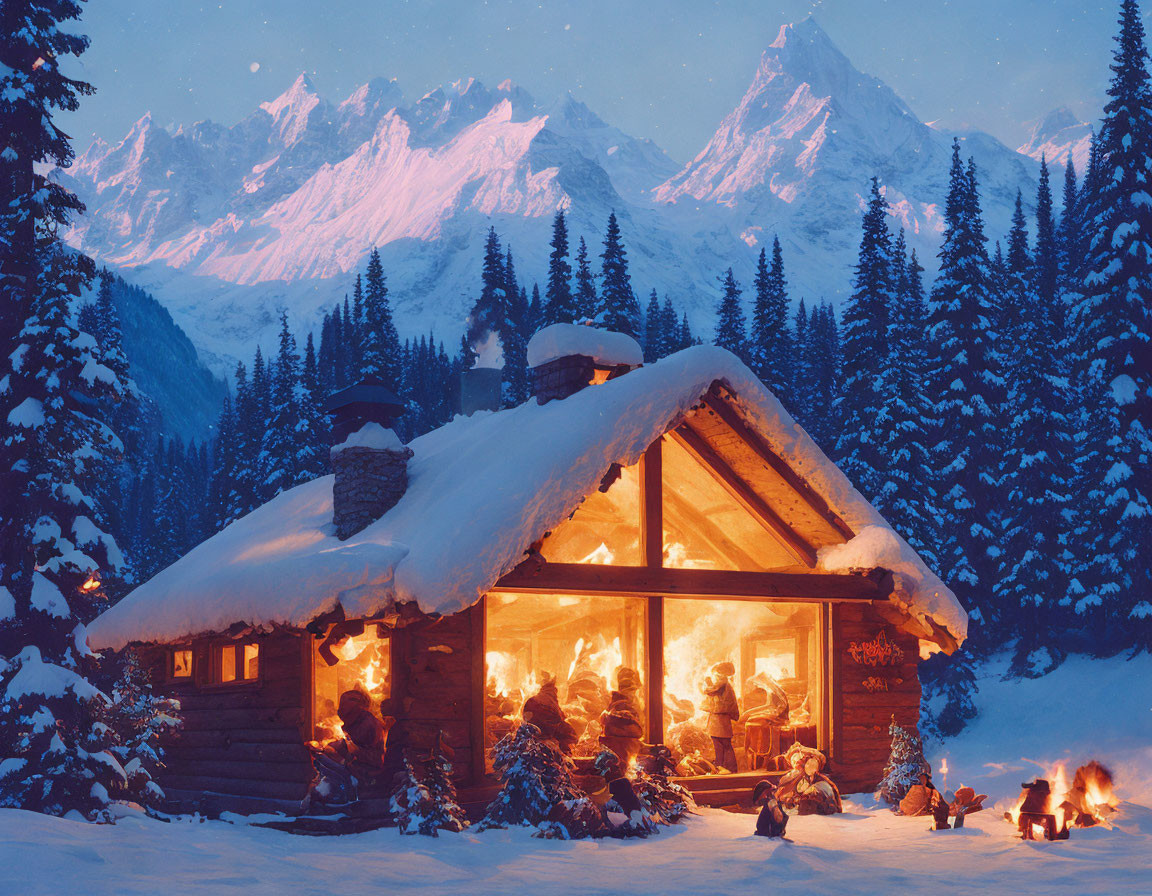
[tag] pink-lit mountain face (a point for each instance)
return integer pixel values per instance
(230, 224)
(1060, 136)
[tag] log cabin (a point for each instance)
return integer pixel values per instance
(629, 527)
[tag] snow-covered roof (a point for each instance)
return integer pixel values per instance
(481, 490)
(602, 346)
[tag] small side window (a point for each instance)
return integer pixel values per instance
(239, 663)
(181, 663)
(251, 661)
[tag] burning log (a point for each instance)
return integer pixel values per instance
(1049, 809)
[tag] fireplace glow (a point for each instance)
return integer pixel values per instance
(364, 664)
(589, 648)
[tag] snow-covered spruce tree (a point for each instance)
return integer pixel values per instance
(1113, 321)
(653, 330)
(907, 499)
(586, 300)
(312, 429)
(966, 387)
(535, 319)
(426, 804)
(489, 315)
(617, 308)
(379, 342)
(560, 303)
(354, 332)
(515, 339)
(53, 754)
(280, 449)
(669, 327)
(906, 763)
(138, 719)
(536, 788)
(1034, 578)
(863, 406)
(772, 352)
(730, 330)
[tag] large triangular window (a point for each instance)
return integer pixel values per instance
(706, 526)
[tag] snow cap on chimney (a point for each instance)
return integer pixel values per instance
(567, 357)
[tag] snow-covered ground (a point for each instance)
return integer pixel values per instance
(1085, 709)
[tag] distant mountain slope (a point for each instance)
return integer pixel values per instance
(231, 224)
(1060, 136)
(165, 365)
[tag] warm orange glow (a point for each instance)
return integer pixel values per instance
(589, 647)
(364, 664)
(604, 529)
(91, 584)
(1088, 801)
(774, 651)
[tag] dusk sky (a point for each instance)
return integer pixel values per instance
(668, 70)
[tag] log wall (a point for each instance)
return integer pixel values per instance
(433, 668)
(874, 668)
(242, 740)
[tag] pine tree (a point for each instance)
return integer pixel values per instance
(618, 309)
(312, 428)
(801, 366)
(967, 391)
(868, 390)
(906, 763)
(907, 499)
(1047, 259)
(428, 804)
(489, 318)
(823, 354)
(669, 327)
(138, 718)
(54, 557)
(730, 332)
(1035, 466)
(379, 342)
(535, 312)
(654, 348)
(534, 780)
(585, 298)
(515, 340)
(771, 353)
(1113, 322)
(561, 305)
(279, 450)
(354, 332)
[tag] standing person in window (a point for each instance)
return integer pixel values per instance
(722, 708)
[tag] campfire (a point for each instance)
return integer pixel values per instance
(1048, 808)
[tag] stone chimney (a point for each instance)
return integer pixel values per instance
(368, 458)
(566, 358)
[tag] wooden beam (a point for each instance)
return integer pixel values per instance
(478, 642)
(684, 516)
(651, 505)
(715, 403)
(655, 646)
(580, 578)
(695, 444)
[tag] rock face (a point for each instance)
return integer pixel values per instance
(369, 482)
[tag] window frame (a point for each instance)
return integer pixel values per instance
(216, 663)
(170, 664)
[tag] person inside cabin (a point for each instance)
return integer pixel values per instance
(720, 704)
(346, 765)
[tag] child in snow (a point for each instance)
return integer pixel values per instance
(720, 704)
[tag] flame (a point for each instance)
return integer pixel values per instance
(91, 584)
(1088, 801)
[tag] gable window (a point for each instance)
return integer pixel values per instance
(182, 663)
(605, 529)
(238, 662)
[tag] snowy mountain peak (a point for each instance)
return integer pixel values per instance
(1058, 137)
(290, 111)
